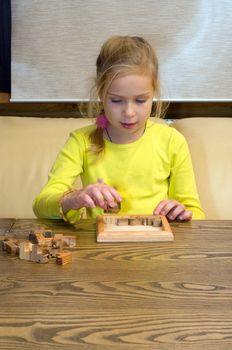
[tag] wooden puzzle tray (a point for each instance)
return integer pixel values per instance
(133, 228)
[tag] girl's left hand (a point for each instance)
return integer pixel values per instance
(173, 210)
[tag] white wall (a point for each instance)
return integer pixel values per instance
(55, 44)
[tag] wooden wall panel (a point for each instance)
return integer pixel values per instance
(176, 109)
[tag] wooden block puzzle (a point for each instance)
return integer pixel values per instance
(40, 246)
(133, 228)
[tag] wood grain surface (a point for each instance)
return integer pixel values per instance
(170, 295)
(6, 225)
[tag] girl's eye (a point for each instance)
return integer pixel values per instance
(116, 101)
(141, 101)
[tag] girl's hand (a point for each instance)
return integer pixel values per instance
(173, 210)
(98, 194)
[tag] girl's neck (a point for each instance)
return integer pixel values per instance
(108, 135)
(123, 138)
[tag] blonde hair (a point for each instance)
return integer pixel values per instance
(119, 56)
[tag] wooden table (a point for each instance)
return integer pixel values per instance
(173, 295)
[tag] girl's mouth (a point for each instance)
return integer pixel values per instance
(128, 125)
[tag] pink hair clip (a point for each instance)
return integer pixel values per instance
(102, 121)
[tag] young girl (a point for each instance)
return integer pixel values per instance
(124, 158)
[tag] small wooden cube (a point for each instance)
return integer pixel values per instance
(12, 248)
(113, 210)
(135, 221)
(63, 258)
(157, 222)
(149, 221)
(122, 222)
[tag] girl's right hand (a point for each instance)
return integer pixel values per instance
(173, 210)
(98, 194)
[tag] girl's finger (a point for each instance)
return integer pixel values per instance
(175, 212)
(86, 201)
(160, 207)
(115, 194)
(185, 216)
(109, 198)
(168, 206)
(97, 196)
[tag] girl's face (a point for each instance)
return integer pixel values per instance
(127, 106)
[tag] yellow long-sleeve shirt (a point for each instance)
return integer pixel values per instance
(155, 167)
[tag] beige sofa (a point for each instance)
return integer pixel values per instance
(28, 147)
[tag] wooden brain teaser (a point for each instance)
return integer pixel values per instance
(133, 228)
(41, 245)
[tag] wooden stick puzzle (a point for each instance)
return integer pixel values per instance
(133, 228)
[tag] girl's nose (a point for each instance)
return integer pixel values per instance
(129, 110)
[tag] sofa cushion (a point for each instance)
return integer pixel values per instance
(210, 143)
(28, 149)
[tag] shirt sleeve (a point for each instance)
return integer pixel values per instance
(182, 185)
(67, 167)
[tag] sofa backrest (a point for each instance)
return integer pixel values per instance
(28, 148)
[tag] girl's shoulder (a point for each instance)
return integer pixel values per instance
(84, 131)
(80, 137)
(164, 130)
